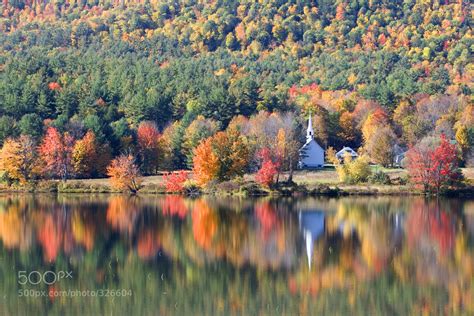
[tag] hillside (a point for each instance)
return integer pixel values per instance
(107, 66)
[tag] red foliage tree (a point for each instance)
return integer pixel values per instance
(433, 169)
(269, 169)
(174, 181)
(56, 152)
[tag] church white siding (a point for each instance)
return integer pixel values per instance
(311, 154)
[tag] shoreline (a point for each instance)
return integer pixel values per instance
(246, 189)
(305, 183)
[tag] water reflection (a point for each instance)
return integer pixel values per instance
(177, 255)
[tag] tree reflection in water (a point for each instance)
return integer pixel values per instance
(211, 256)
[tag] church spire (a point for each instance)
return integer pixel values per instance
(310, 131)
(309, 247)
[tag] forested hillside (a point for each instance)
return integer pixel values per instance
(107, 66)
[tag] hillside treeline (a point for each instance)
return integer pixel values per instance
(108, 66)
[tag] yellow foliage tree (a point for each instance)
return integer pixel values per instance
(462, 137)
(353, 171)
(18, 158)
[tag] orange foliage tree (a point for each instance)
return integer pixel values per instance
(148, 138)
(375, 120)
(124, 173)
(201, 128)
(205, 163)
(379, 138)
(220, 157)
(380, 147)
(348, 132)
(56, 152)
(89, 157)
(18, 158)
(286, 150)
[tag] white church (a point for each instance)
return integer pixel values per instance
(311, 154)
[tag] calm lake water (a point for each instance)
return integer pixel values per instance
(118, 255)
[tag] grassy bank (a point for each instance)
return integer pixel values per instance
(322, 182)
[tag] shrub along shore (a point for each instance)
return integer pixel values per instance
(324, 183)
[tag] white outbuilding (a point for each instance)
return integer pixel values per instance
(311, 154)
(345, 151)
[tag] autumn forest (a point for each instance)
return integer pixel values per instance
(236, 157)
(82, 82)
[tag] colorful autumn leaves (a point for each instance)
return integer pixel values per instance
(220, 157)
(58, 155)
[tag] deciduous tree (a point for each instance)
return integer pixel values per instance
(174, 181)
(375, 120)
(56, 152)
(201, 128)
(89, 157)
(432, 168)
(18, 158)
(464, 140)
(221, 157)
(380, 146)
(148, 138)
(232, 152)
(268, 170)
(124, 173)
(205, 163)
(353, 170)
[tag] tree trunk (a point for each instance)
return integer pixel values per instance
(290, 176)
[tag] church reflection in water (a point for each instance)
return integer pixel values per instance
(311, 224)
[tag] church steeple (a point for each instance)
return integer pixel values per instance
(310, 131)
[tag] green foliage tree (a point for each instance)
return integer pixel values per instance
(31, 125)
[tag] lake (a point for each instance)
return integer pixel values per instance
(169, 255)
